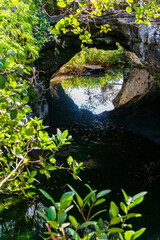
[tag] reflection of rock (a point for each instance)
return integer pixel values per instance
(62, 108)
(137, 82)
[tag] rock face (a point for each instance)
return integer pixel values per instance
(136, 83)
(140, 115)
(143, 40)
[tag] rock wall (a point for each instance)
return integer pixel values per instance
(137, 82)
(142, 39)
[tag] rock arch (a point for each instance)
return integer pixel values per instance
(141, 39)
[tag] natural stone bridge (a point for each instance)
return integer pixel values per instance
(142, 39)
(141, 113)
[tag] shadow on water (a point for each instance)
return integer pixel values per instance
(113, 158)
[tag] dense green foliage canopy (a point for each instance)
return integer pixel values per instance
(20, 134)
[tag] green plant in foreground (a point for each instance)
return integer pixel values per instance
(60, 225)
(20, 135)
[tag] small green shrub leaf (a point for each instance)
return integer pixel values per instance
(79, 200)
(33, 173)
(73, 221)
(103, 193)
(125, 196)
(114, 209)
(131, 215)
(62, 218)
(86, 224)
(53, 224)
(65, 203)
(100, 223)
(47, 195)
(115, 230)
(136, 202)
(2, 82)
(128, 9)
(139, 233)
(128, 235)
(64, 134)
(66, 195)
(115, 220)
(51, 213)
(139, 195)
(99, 201)
(97, 213)
(30, 180)
(123, 207)
(42, 215)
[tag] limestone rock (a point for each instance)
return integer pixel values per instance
(136, 83)
(132, 57)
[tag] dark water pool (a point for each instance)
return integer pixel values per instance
(114, 159)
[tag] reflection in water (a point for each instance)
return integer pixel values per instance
(94, 93)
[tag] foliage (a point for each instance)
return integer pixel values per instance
(63, 226)
(19, 134)
(95, 56)
(144, 10)
(42, 29)
(93, 82)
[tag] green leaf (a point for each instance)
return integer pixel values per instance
(86, 224)
(15, 2)
(61, 4)
(103, 193)
(13, 114)
(33, 173)
(51, 213)
(66, 203)
(2, 82)
(69, 208)
(97, 213)
(123, 207)
(25, 99)
(128, 9)
(125, 195)
(47, 195)
(115, 230)
(120, 236)
(79, 200)
(53, 224)
(73, 221)
(141, 194)
(139, 233)
(29, 131)
(131, 215)
(73, 233)
(62, 218)
(115, 220)
(114, 209)
(99, 201)
(66, 195)
(136, 202)
(89, 196)
(100, 223)
(128, 235)
(64, 134)
(30, 180)
(42, 215)
(50, 168)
